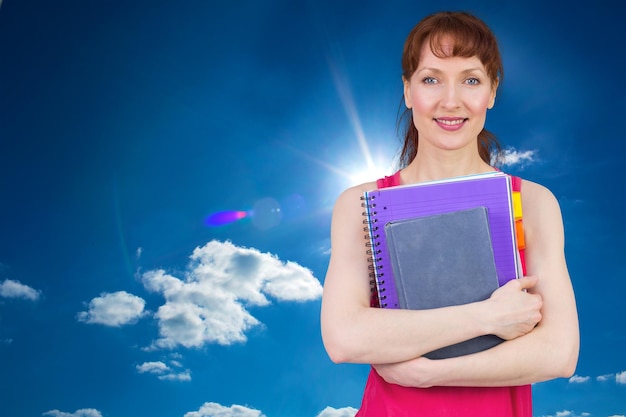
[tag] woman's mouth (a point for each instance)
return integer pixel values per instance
(450, 123)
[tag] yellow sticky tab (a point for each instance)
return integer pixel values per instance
(517, 205)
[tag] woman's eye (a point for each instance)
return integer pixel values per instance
(429, 80)
(472, 81)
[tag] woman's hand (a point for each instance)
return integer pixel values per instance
(512, 311)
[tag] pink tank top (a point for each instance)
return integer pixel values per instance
(382, 399)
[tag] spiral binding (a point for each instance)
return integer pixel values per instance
(372, 244)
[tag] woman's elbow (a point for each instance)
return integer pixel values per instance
(570, 362)
(337, 356)
(566, 360)
(337, 347)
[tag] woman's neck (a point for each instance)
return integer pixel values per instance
(430, 167)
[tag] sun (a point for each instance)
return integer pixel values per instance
(362, 175)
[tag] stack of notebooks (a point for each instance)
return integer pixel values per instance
(444, 243)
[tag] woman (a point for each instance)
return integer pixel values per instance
(451, 71)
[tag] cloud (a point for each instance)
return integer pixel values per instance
(84, 412)
(567, 413)
(341, 412)
(512, 157)
(15, 289)
(113, 309)
(209, 305)
(619, 378)
(183, 376)
(163, 371)
(217, 410)
(576, 379)
(152, 367)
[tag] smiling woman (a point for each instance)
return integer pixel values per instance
(451, 71)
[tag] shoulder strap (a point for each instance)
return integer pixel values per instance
(389, 181)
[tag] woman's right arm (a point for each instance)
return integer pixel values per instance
(354, 332)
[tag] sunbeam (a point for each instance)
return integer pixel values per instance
(345, 95)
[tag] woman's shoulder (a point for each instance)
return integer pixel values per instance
(351, 198)
(357, 190)
(539, 202)
(535, 192)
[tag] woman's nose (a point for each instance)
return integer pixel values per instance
(450, 97)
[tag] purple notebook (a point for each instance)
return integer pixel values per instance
(491, 191)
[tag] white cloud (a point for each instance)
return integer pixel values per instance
(620, 378)
(84, 412)
(568, 413)
(15, 289)
(513, 157)
(604, 378)
(113, 309)
(153, 368)
(209, 305)
(184, 376)
(163, 371)
(217, 410)
(341, 412)
(576, 379)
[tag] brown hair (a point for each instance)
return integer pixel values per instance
(472, 37)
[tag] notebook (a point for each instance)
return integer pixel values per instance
(444, 260)
(412, 230)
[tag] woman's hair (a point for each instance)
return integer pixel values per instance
(471, 37)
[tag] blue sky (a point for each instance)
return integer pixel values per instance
(125, 124)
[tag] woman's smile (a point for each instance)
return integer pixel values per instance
(450, 124)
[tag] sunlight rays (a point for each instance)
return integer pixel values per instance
(364, 167)
(345, 95)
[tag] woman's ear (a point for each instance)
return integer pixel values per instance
(407, 93)
(494, 88)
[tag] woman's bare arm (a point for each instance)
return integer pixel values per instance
(550, 351)
(354, 332)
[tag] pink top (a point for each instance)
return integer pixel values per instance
(382, 399)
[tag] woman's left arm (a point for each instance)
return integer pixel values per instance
(550, 350)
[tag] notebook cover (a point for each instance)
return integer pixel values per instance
(492, 191)
(444, 260)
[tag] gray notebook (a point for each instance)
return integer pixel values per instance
(444, 260)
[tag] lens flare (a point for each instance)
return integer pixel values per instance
(222, 218)
(266, 213)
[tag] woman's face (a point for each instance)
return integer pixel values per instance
(449, 98)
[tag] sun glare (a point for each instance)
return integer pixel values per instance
(357, 170)
(366, 175)
(365, 169)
